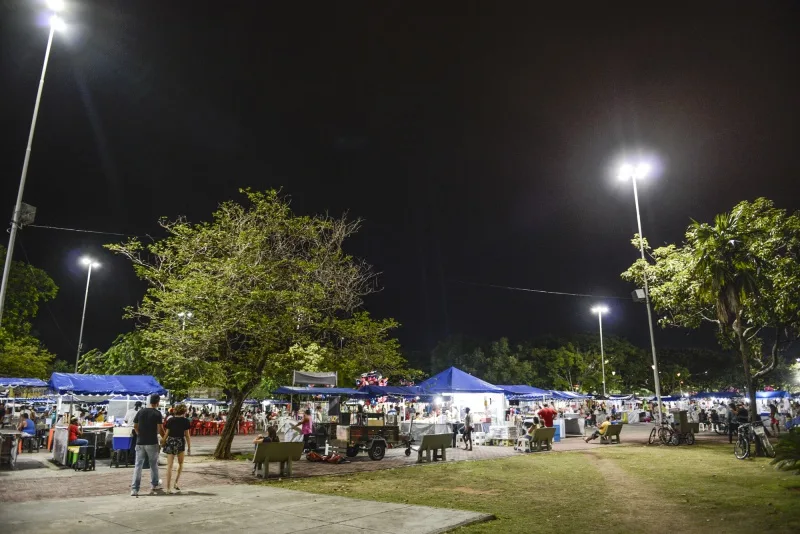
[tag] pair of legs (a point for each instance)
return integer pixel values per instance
(170, 460)
(467, 439)
(79, 442)
(151, 453)
(596, 434)
(775, 425)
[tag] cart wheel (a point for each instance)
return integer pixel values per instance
(351, 452)
(408, 451)
(690, 438)
(676, 439)
(377, 451)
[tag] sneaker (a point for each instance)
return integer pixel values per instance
(177, 489)
(134, 493)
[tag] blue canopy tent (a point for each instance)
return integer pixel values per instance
(213, 402)
(524, 391)
(22, 383)
(406, 392)
(291, 390)
(454, 380)
(566, 395)
(275, 401)
(461, 387)
(716, 394)
(104, 384)
(771, 394)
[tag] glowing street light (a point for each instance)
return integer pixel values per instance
(56, 6)
(600, 310)
(183, 316)
(634, 173)
(91, 264)
(56, 24)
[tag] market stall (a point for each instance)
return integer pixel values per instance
(461, 390)
(13, 386)
(110, 385)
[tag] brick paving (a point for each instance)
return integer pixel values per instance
(37, 479)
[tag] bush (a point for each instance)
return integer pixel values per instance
(787, 451)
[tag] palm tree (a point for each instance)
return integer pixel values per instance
(726, 270)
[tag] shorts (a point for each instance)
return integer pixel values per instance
(175, 445)
(774, 420)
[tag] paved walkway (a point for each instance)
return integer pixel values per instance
(231, 509)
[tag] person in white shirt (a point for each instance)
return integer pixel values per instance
(130, 414)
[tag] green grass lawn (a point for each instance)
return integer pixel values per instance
(617, 489)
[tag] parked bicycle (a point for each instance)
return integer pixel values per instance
(752, 433)
(662, 432)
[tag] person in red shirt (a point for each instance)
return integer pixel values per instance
(74, 432)
(547, 414)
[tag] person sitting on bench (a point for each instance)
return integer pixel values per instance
(601, 431)
(271, 437)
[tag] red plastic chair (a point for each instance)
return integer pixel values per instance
(208, 428)
(220, 427)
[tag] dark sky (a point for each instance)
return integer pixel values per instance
(477, 144)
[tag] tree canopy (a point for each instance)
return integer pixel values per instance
(268, 292)
(741, 274)
(21, 354)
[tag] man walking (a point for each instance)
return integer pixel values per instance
(148, 425)
(467, 430)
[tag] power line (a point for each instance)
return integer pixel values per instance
(528, 290)
(45, 227)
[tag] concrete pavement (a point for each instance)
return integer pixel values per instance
(231, 509)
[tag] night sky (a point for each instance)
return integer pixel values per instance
(477, 144)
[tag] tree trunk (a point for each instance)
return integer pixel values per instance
(748, 376)
(223, 450)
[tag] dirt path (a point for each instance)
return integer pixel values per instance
(649, 510)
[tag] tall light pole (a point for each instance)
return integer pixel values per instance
(634, 173)
(56, 24)
(600, 310)
(91, 264)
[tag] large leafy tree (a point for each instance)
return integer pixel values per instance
(268, 291)
(21, 354)
(740, 273)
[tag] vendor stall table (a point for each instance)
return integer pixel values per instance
(8, 446)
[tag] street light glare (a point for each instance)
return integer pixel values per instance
(55, 5)
(631, 172)
(600, 309)
(87, 261)
(57, 23)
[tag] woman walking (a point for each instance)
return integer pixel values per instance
(177, 442)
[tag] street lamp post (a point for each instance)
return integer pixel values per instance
(56, 23)
(91, 264)
(183, 316)
(600, 310)
(633, 173)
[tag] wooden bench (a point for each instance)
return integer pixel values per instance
(283, 453)
(434, 442)
(542, 439)
(612, 431)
